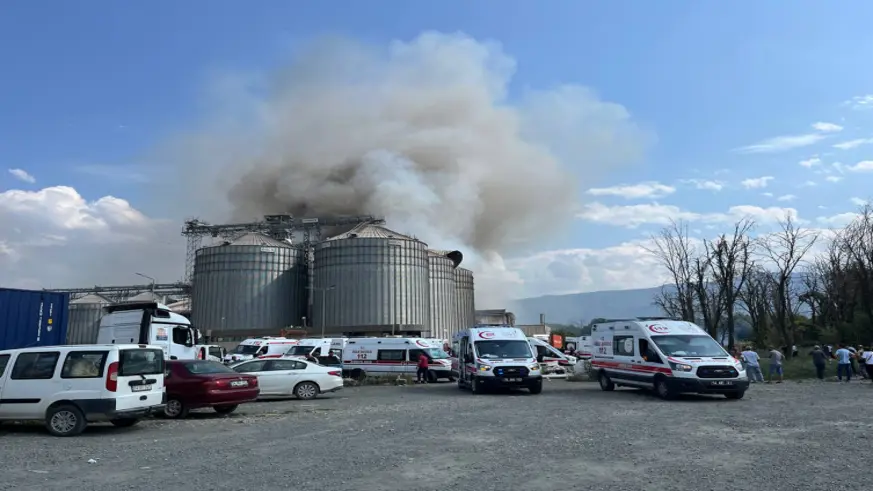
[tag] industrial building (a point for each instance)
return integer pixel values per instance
(263, 278)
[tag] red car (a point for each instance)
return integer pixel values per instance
(193, 384)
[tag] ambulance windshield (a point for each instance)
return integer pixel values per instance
(493, 350)
(437, 354)
(246, 349)
(689, 345)
(300, 350)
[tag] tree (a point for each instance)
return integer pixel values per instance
(674, 250)
(731, 262)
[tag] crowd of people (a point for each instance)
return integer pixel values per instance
(850, 362)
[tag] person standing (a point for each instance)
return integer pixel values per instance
(819, 358)
(422, 369)
(753, 365)
(776, 357)
(844, 363)
(867, 358)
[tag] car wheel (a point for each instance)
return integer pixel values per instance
(662, 389)
(431, 376)
(735, 395)
(306, 391)
(65, 420)
(124, 422)
(226, 409)
(476, 386)
(536, 387)
(605, 382)
(175, 409)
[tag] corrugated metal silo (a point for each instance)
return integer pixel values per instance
(379, 281)
(443, 298)
(84, 320)
(254, 282)
(466, 299)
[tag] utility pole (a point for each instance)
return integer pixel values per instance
(323, 291)
(148, 278)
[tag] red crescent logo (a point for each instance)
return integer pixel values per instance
(423, 345)
(486, 335)
(657, 329)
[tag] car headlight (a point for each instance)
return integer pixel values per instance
(534, 367)
(681, 367)
(484, 368)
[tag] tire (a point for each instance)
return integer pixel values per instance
(451, 379)
(359, 374)
(663, 390)
(227, 409)
(65, 420)
(735, 395)
(431, 376)
(175, 409)
(536, 387)
(476, 386)
(605, 383)
(461, 386)
(124, 422)
(306, 391)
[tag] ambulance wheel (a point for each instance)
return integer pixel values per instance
(431, 377)
(476, 386)
(662, 389)
(358, 374)
(536, 387)
(735, 395)
(605, 383)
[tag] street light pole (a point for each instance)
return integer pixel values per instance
(148, 278)
(323, 291)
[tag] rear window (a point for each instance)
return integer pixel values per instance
(141, 362)
(4, 360)
(198, 367)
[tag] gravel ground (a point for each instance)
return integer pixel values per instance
(572, 436)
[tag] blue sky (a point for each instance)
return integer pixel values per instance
(92, 86)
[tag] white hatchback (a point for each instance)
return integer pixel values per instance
(279, 377)
(69, 386)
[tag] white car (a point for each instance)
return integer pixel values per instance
(280, 377)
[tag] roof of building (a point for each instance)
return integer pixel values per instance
(253, 239)
(371, 231)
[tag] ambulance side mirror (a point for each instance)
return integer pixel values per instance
(468, 358)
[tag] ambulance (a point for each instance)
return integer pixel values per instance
(394, 356)
(317, 347)
(580, 347)
(667, 356)
(257, 347)
(553, 363)
(495, 356)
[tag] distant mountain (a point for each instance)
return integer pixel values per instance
(576, 307)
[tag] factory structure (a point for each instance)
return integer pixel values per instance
(340, 276)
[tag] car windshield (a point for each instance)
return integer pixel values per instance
(503, 349)
(141, 362)
(198, 367)
(437, 354)
(246, 349)
(689, 345)
(299, 350)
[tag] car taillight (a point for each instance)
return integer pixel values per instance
(218, 383)
(253, 382)
(112, 377)
(335, 373)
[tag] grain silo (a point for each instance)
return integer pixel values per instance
(443, 297)
(466, 308)
(371, 281)
(84, 318)
(254, 283)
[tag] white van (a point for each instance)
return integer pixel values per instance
(68, 387)
(667, 356)
(553, 363)
(149, 323)
(394, 356)
(258, 347)
(579, 346)
(318, 347)
(495, 356)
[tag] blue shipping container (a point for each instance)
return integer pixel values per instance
(32, 318)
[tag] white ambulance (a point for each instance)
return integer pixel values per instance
(318, 347)
(668, 356)
(495, 356)
(553, 363)
(257, 347)
(394, 356)
(580, 347)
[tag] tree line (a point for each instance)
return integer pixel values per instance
(788, 295)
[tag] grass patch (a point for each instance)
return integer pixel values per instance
(799, 368)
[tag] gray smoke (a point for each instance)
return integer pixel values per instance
(422, 132)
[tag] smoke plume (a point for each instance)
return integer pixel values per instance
(423, 133)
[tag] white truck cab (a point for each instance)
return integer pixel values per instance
(149, 323)
(553, 363)
(665, 355)
(495, 356)
(394, 356)
(266, 346)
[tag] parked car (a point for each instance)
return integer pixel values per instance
(280, 377)
(68, 387)
(194, 384)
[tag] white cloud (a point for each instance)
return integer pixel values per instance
(786, 197)
(704, 184)
(783, 143)
(767, 194)
(837, 221)
(858, 201)
(808, 184)
(812, 161)
(863, 166)
(757, 182)
(860, 102)
(649, 189)
(846, 145)
(22, 175)
(827, 127)
(833, 178)
(633, 216)
(59, 239)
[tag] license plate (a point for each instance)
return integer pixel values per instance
(140, 388)
(722, 382)
(239, 383)
(512, 380)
